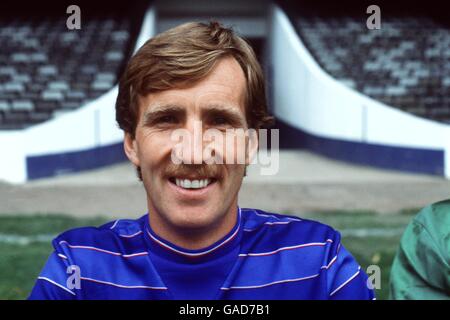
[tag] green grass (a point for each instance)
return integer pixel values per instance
(20, 264)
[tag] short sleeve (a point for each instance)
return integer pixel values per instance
(346, 280)
(51, 283)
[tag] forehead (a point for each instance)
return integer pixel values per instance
(224, 85)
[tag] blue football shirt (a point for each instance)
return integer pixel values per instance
(264, 256)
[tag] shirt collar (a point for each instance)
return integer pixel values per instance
(168, 250)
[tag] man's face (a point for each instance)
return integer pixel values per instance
(216, 102)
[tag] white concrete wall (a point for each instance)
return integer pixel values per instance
(90, 126)
(307, 98)
(12, 156)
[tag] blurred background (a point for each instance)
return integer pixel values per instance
(363, 116)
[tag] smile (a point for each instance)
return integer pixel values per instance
(191, 183)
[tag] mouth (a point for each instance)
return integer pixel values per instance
(191, 183)
(193, 188)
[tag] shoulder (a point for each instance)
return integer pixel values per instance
(109, 236)
(419, 267)
(267, 233)
(436, 216)
(430, 228)
(289, 225)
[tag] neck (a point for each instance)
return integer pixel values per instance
(194, 238)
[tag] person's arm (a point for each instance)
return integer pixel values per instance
(420, 269)
(346, 279)
(51, 284)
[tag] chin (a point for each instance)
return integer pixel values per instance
(194, 218)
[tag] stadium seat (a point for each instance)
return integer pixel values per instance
(47, 70)
(405, 64)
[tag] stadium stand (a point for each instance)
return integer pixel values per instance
(405, 64)
(47, 70)
(58, 86)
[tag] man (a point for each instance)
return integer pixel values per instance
(421, 268)
(196, 242)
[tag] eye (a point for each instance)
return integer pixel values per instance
(220, 121)
(167, 119)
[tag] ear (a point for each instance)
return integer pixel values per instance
(131, 149)
(252, 147)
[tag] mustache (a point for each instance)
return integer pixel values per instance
(194, 170)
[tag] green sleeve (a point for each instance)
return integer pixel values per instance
(421, 267)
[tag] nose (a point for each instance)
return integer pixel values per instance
(193, 152)
(189, 143)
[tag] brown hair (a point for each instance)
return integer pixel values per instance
(181, 56)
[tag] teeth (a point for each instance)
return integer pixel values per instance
(192, 184)
(195, 184)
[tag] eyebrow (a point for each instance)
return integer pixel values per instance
(162, 110)
(227, 111)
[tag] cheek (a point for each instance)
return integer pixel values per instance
(153, 148)
(234, 148)
(235, 174)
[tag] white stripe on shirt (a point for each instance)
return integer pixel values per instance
(57, 284)
(271, 283)
(346, 282)
(321, 244)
